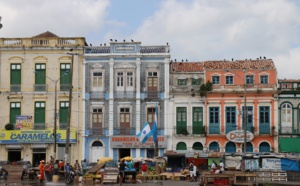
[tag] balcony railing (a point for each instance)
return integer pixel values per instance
(15, 88)
(63, 126)
(98, 131)
(127, 94)
(39, 126)
(97, 50)
(64, 87)
(124, 131)
(154, 49)
(40, 87)
(151, 94)
(190, 130)
(97, 94)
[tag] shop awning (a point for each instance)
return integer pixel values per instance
(13, 146)
(38, 146)
(289, 144)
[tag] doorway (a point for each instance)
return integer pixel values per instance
(123, 153)
(14, 155)
(37, 156)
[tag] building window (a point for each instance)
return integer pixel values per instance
(216, 80)
(264, 79)
(249, 116)
(40, 77)
(249, 79)
(214, 146)
(286, 85)
(39, 116)
(97, 80)
(264, 120)
(65, 76)
(286, 119)
(230, 119)
(15, 77)
(129, 80)
(182, 82)
(214, 126)
(15, 110)
(181, 122)
(196, 81)
(198, 120)
(97, 121)
(150, 115)
(181, 146)
(124, 121)
(264, 147)
(152, 85)
(63, 114)
(125, 81)
(229, 80)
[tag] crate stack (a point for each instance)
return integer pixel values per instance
(279, 176)
(293, 175)
(264, 176)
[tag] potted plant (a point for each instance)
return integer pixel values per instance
(9, 126)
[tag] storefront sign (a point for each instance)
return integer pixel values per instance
(237, 136)
(134, 142)
(23, 122)
(34, 136)
(271, 164)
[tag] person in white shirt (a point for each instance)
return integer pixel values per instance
(221, 166)
(192, 171)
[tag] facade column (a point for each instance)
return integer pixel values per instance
(111, 102)
(138, 100)
(85, 148)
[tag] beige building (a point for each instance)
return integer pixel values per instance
(35, 76)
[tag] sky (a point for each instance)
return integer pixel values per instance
(196, 30)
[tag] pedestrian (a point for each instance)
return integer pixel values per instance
(77, 168)
(122, 166)
(83, 165)
(144, 169)
(221, 166)
(192, 169)
(42, 171)
(55, 167)
(213, 166)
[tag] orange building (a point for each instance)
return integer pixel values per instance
(234, 83)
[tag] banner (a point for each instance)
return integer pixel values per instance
(35, 136)
(23, 122)
(271, 164)
(251, 164)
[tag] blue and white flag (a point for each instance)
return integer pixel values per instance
(145, 133)
(154, 126)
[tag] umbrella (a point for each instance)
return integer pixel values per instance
(148, 159)
(127, 158)
(159, 160)
(104, 160)
(138, 159)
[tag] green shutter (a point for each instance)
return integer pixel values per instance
(181, 123)
(198, 120)
(181, 146)
(40, 75)
(39, 112)
(15, 76)
(65, 76)
(63, 115)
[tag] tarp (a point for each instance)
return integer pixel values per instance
(290, 165)
(233, 161)
(251, 164)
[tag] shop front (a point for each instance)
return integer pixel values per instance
(31, 145)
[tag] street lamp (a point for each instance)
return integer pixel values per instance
(55, 106)
(245, 104)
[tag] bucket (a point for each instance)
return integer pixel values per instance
(55, 178)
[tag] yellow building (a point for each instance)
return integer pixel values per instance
(35, 77)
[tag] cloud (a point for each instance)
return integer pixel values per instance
(65, 18)
(216, 30)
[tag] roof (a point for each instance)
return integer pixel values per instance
(289, 80)
(46, 34)
(221, 65)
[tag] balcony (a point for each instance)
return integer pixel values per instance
(15, 88)
(123, 94)
(154, 49)
(190, 130)
(97, 50)
(39, 126)
(63, 126)
(124, 131)
(40, 87)
(97, 95)
(151, 94)
(97, 131)
(64, 87)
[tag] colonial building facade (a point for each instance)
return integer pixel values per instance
(289, 115)
(124, 84)
(34, 83)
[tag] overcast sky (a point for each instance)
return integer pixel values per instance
(196, 30)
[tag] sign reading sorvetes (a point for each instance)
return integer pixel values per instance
(237, 136)
(134, 142)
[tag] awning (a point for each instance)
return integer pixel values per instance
(39, 146)
(289, 144)
(14, 147)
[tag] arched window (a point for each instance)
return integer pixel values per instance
(249, 147)
(181, 146)
(286, 118)
(264, 147)
(97, 144)
(230, 147)
(214, 146)
(197, 146)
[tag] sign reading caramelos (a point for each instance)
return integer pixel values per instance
(237, 136)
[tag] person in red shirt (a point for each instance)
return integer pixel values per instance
(42, 171)
(144, 169)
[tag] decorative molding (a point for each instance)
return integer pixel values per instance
(97, 66)
(152, 66)
(124, 65)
